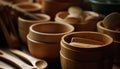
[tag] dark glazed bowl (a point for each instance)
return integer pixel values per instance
(105, 6)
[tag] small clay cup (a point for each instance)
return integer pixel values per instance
(116, 37)
(94, 57)
(89, 26)
(50, 32)
(24, 24)
(30, 7)
(47, 51)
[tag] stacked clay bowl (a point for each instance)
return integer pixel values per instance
(44, 39)
(86, 50)
(111, 26)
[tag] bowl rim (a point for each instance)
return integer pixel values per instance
(100, 26)
(73, 33)
(52, 22)
(47, 18)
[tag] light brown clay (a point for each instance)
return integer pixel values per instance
(47, 51)
(13, 60)
(38, 63)
(24, 24)
(86, 22)
(50, 32)
(78, 57)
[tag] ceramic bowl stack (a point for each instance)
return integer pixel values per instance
(44, 39)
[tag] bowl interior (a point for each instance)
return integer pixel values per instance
(53, 28)
(105, 39)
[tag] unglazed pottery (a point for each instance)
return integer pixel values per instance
(86, 23)
(50, 32)
(47, 51)
(24, 24)
(116, 39)
(78, 57)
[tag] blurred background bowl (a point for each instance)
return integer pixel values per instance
(105, 6)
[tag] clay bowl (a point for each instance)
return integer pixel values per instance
(78, 55)
(116, 37)
(114, 34)
(50, 32)
(47, 51)
(104, 40)
(90, 25)
(30, 7)
(24, 24)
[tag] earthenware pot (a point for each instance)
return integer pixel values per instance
(24, 24)
(87, 25)
(47, 51)
(87, 54)
(116, 39)
(50, 32)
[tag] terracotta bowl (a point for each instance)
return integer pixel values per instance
(50, 32)
(30, 7)
(77, 56)
(47, 51)
(88, 26)
(24, 24)
(116, 37)
(114, 34)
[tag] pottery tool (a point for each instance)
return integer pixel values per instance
(38, 63)
(16, 62)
